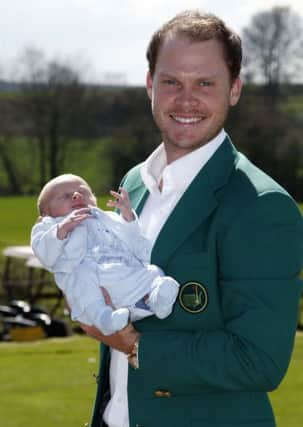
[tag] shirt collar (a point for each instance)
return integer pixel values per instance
(180, 173)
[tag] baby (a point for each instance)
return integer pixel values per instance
(87, 248)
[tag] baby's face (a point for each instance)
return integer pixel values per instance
(68, 195)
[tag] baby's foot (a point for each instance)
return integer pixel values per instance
(163, 296)
(114, 320)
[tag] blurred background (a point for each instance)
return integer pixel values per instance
(72, 99)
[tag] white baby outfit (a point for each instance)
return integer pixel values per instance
(104, 250)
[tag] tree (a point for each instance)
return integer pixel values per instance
(272, 138)
(273, 58)
(273, 47)
(8, 128)
(53, 98)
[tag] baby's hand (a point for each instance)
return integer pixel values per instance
(71, 221)
(122, 202)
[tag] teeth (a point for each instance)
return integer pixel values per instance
(187, 120)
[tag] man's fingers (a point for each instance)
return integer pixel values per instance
(107, 298)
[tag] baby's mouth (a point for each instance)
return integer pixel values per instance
(79, 206)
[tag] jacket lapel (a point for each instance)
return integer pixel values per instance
(138, 198)
(196, 204)
(137, 191)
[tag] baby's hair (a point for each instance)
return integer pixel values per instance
(44, 193)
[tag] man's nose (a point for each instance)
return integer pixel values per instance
(77, 195)
(187, 98)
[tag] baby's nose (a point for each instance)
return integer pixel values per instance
(77, 195)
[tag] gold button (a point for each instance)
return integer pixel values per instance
(162, 393)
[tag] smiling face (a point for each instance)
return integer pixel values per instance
(191, 92)
(65, 194)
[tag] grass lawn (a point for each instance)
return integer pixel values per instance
(50, 383)
(287, 400)
(17, 215)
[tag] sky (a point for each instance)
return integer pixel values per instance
(105, 40)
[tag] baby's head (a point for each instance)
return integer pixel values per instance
(63, 194)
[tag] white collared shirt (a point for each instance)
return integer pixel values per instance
(176, 178)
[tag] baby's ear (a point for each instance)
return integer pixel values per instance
(96, 200)
(39, 219)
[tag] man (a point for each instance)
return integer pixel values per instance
(230, 236)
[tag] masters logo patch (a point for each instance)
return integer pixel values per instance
(193, 297)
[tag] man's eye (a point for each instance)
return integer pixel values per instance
(170, 82)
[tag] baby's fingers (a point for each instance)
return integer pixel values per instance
(78, 217)
(118, 196)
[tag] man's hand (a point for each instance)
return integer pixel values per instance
(71, 222)
(123, 340)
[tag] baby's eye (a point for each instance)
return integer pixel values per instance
(205, 83)
(64, 196)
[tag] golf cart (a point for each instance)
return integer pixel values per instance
(25, 284)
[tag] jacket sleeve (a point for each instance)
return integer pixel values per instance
(259, 261)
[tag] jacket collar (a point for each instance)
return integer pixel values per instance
(201, 196)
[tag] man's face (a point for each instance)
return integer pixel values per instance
(190, 92)
(67, 196)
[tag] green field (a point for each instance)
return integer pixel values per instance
(287, 399)
(50, 383)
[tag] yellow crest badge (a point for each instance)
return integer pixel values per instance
(193, 297)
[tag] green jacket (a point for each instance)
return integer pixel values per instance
(234, 242)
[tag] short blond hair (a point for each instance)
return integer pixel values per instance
(48, 187)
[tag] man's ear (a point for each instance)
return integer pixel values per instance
(235, 91)
(149, 84)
